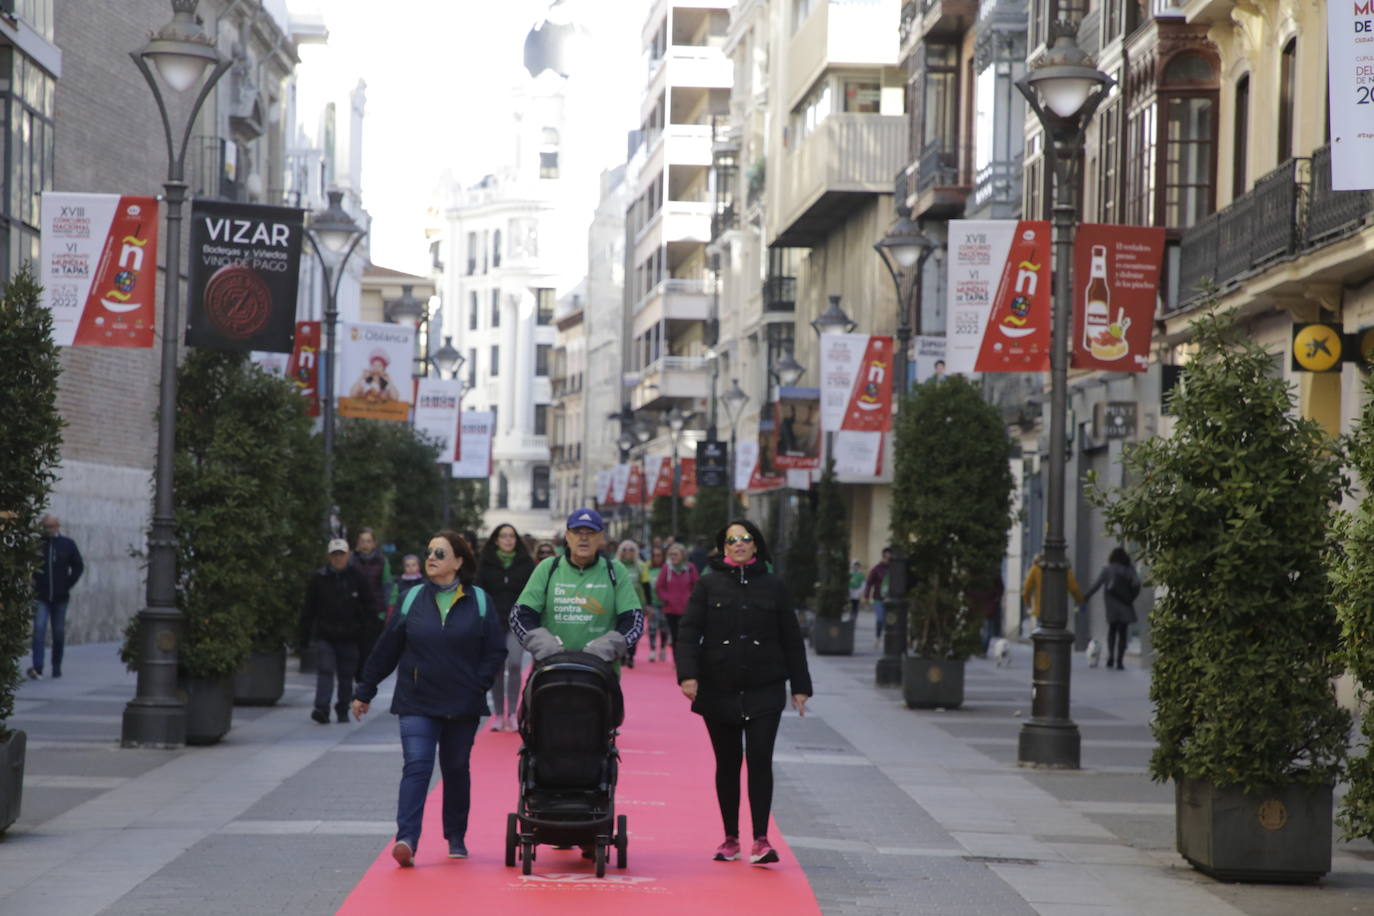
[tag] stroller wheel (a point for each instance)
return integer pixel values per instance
(512, 839)
(622, 842)
(526, 858)
(601, 849)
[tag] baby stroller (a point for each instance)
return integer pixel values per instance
(569, 712)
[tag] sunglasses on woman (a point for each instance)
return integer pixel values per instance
(437, 553)
(742, 539)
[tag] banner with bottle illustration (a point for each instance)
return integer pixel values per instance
(1115, 291)
(437, 414)
(244, 260)
(98, 268)
(475, 431)
(999, 296)
(374, 371)
(303, 368)
(796, 433)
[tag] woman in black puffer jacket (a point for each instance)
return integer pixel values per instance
(503, 568)
(739, 645)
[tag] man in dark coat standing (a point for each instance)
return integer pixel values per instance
(336, 602)
(52, 585)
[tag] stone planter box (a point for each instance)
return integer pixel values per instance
(833, 637)
(1282, 836)
(209, 708)
(932, 683)
(262, 679)
(12, 751)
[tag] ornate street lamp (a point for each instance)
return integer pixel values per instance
(787, 370)
(833, 320)
(447, 359)
(1063, 88)
(156, 717)
(334, 236)
(904, 248)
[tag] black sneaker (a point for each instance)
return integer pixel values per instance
(457, 850)
(342, 713)
(320, 715)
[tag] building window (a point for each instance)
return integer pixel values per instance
(494, 413)
(1239, 135)
(496, 248)
(1140, 175)
(495, 369)
(541, 358)
(543, 300)
(940, 102)
(539, 487)
(473, 309)
(1109, 127)
(1288, 96)
(472, 253)
(541, 419)
(502, 490)
(27, 93)
(863, 96)
(1188, 158)
(472, 367)
(548, 164)
(800, 10)
(496, 308)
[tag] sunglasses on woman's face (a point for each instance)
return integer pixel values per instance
(437, 553)
(742, 539)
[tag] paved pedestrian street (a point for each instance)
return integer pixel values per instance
(888, 811)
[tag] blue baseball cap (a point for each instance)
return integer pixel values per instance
(586, 518)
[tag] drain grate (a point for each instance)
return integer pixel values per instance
(1000, 860)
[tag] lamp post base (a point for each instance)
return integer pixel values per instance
(888, 671)
(1049, 744)
(153, 725)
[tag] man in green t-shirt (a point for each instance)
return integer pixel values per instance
(580, 601)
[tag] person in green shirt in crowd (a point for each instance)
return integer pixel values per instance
(579, 602)
(628, 555)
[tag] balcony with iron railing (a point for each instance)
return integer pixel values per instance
(1291, 212)
(947, 18)
(942, 185)
(669, 379)
(725, 219)
(780, 294)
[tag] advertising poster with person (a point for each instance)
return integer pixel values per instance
(928, 359)
(1115, 290)
(374, 371)
(797, 428)
(98, 268)
(999, 296)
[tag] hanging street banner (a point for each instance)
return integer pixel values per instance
(369, 386)
(796, 428)
(766, 475)
(620, 483)
(859, 454)
(244, 264)
(711, 468)
(856, 382)
(999, 296)
(1350, 93)
(98, 268)
(303, 368)
(799, 480)
(437, 414)
(927, 359)
(474, 444)
(1115, 288)
(659, 470)
(687, 479)
(603, 488)
(634, 487)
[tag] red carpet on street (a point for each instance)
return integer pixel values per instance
(666, 790)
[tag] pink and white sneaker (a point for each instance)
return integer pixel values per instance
(727, 851)
(763, 852)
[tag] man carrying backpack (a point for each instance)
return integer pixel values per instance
(1120, 586)
(581, 601)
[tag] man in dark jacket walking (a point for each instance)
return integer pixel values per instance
(336, 601)
(371, 564)
(52, 585)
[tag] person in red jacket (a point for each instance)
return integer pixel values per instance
(673, 587)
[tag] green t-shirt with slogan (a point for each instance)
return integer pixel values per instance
(581, 604)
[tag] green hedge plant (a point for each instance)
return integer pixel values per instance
(799, 563)
(31, 430)
(1230, 515)
(832, 549)
(951, 509)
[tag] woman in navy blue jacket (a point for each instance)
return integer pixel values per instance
(446, 648)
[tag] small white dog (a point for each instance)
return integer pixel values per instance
(1001, 651)
(1094, 653)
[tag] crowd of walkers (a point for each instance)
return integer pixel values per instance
(458, 625)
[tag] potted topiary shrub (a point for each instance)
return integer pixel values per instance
(1231, 516)
(833, 630)
(951, 508)
(799, 562)
(31, 430)
(1352, 574)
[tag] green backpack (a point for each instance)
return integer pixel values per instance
(477, 592)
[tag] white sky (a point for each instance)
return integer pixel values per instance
(438, 74)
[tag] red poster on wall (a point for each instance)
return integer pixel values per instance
(303, 369)
(1115, 288)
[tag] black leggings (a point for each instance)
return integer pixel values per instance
(1117, 634)
(673, 621)
(733, 743)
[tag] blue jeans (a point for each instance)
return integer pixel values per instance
(419, 737)
(880, 617)
(43, 611)
(334, 658)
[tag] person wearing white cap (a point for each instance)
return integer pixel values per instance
(335, 601)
